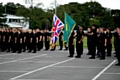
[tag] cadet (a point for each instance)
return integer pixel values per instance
(89, 39)
(79, 42)
(47, 39)
(93, 42)
(71, 45)
(34, 41)
(61, 40)
(109, 41)
(24, 42)
(118, 46)
(29, 37)
(102, 44)
(19, 41)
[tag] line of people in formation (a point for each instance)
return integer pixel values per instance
(98, 41)
(17, 40)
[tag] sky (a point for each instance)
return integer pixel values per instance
(112, 4)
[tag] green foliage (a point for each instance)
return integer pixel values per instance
(85, 14)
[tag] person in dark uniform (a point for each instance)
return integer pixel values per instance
(93, 42)
(71, 45)
(0, 39)
(89, 39)
(102, 44)
(14, 41)
(118, 46)
(61, 40)
(109, 41)
(19, 41)
(3, 40)
(115, 34)
(34, 41)
(47, 39)
(29, 39)
(79, 42)
(41, 39)
(24, 38)
(9, 41)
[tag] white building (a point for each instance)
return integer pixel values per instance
(17, 22)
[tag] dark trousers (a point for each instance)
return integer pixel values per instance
(14, 47)
(79, 49)
(93, 50)
(34, 47)
(47, 45)
(71, 49)
(61, 44)
(102, 50)
(89, 47)
(24, 44)
(19, 47)
(118, 53)
(109, 49)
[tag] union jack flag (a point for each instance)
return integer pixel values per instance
(57, 27)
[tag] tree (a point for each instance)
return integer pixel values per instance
(2, 16)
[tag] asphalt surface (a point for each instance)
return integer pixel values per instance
(55, 65)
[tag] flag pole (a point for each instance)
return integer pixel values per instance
(55, 7)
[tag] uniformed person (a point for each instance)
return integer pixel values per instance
(47, 39)
(29, 39)
(24, 38)
(109, 41)
(61, 40)
(34, 39)
(79, 42)
(102, 44)
(19, 41)
(118, 46)
(89, 39)
(115, 34)
(93, 42)
(71, 45)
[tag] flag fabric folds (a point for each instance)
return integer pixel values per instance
(57, 27)
(69, 25)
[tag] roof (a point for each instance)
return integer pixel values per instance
(14, 17)
(13, 25)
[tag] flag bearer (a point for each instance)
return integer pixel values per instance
(71, 45)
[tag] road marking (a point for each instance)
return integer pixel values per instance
(112, 73)
(7, 54)
(11, 71)
(37, 61)
(35, 79)
(23, 59)
(7, 58)
(99, 74)
(30, 72)
(76, 67)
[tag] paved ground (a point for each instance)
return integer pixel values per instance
(55, 65)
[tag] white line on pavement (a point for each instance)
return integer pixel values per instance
(99, 74)
(35, 79)
(41, 68)
(23, 59)
(7, 54)
(76, 67)
(11, 71)
(112, 73)
(37, 61)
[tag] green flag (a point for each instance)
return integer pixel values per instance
(69, 25)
